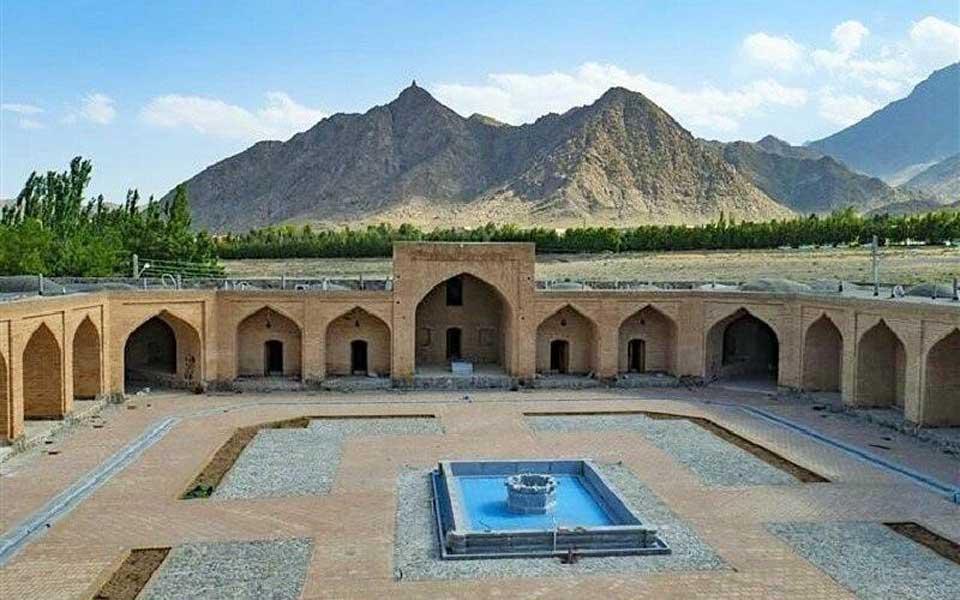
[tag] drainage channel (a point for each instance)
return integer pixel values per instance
(952, 493)
(15, 539)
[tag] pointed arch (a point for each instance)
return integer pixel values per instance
(43, 376)
(742, 345)
(164, 350)
(881, 367)
(647, 342)
(941, 403)
(86, 360)
(351, 334)
(269, 343)
(475, 308)
(566, 342)
(822, 356)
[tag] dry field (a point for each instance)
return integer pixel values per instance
(897, 265)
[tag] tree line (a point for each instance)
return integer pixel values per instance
(839, 228)
(53, 229)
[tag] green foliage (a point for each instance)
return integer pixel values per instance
(52, 229)
(842, 227)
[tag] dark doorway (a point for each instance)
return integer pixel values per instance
(453, 343)
(358, 357)
(750, 348)
(637, 356)
(559, 356)
(273, 357)
(455, 291)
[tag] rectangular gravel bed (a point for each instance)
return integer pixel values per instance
(417, 556)
(715, 461)
(296, 462)
(872, 560)
(255, 570)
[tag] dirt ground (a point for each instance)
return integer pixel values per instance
(905, 265)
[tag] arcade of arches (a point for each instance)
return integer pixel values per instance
(906, 354)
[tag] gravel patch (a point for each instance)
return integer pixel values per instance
(417, 556)
(715, 461)
(296, 462)
(273, 569)
(871, 560)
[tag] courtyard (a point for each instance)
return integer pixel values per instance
(327, 495)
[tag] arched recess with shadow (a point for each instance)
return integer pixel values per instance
(357, 343)
(743, 347)
(165, 352)
(86, 361)
(464, 318)
(43, 376)
(822, 356)
(269, 344)
(881, 368)
(565, 343)
(647, 342)
(941, 403)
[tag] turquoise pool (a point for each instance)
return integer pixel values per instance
(485, 502)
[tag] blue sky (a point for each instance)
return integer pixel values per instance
(154, 92)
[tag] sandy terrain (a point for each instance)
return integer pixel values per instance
(898, 265)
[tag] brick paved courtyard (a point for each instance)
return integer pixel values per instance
(755, 532)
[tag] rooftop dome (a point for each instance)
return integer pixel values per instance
(777, 286)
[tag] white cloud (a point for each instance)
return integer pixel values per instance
(279, 118)
(844, 109)
(97, 108)
(28, 123)
(772, 51)
(519, 97)
(930, 44)
(849, 35)
(21, 109)
(936, 40)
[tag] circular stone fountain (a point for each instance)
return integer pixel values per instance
(531, 493)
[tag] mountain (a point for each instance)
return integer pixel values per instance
(806, 181)
(941, 179)
(621, 160)
(919, 129)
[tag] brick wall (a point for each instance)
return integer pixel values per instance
(479, 319)
(86, 360)
(822, 357)
(943, 382)
(659, 335)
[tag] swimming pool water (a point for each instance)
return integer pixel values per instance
(485, 501)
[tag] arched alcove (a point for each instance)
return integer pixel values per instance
(42, 376)
(647, 342)
(164, 351)
(941, 403)
(881, 368)
(357, 337)
(822, 356)
(743, 347)
(475, 308)
(565, 343)
(86, 360)
(268, 344)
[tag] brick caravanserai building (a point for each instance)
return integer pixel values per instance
(478, 308)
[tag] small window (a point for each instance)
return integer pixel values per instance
(455, 291)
